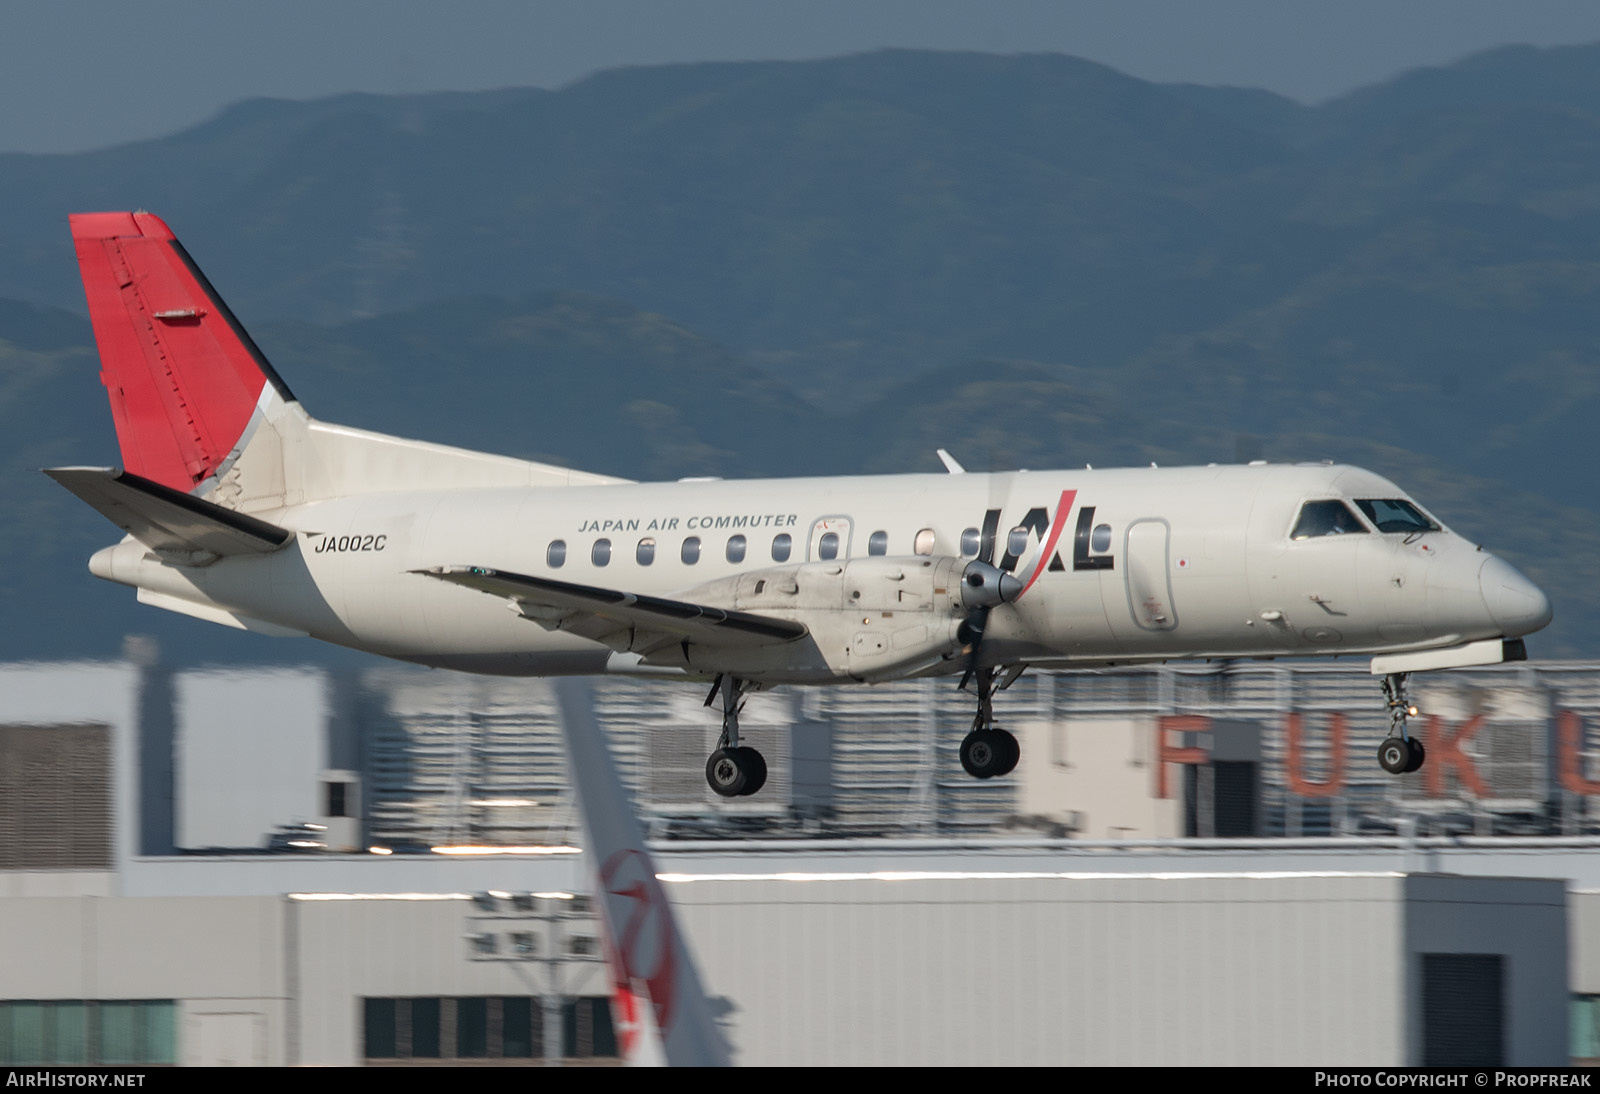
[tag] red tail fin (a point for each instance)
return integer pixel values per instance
(183, 376)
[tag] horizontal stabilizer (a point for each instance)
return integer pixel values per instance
(623, 621)
(166, 520)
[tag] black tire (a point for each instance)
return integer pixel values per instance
(755, 766)
(984, 754)
(1012, 751)
(1394, 756)
(725, 774)
(1419, 756)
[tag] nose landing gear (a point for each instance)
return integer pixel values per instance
(733, 771)
(1400, 753)
(987, 752)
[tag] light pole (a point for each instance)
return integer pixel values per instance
(555, 932)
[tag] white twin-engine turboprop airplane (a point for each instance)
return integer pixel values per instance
(243, 510)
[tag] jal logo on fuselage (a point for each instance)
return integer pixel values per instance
(1090, 543)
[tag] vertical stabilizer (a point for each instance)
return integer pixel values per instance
(183, 377)
(198, 408)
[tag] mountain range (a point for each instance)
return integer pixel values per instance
(830, 266)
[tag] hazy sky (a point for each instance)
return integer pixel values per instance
(88, 73)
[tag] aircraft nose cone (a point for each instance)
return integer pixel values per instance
(1517, 605)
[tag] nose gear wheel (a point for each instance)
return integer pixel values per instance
(1400, 753)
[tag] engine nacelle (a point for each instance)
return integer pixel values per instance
(870, 618)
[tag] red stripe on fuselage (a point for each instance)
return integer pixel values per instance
(1063, 510)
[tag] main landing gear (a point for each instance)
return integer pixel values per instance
(987, 752)
(1400, 753)
(733, 771)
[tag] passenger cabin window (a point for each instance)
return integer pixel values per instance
(1100, 538)
(691, 550)
(601, 554)
(1326, 518)
(923, 544)
(878, 543)
(828, 546)
(736, 549)
(1396, 515)
(971, 540)
(556, 554)
(645, 553)
(782, 544)
(1017, 541)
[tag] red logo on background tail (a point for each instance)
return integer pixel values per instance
(641, 921)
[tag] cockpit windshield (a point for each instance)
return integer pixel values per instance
(1326, 518)
(1396, 515)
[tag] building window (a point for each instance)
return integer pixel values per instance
(878, 543)
(516, 1028)
(782, 544)
(484, 1028)
(736, 549)
(472, 1028)
(87, 1031)
(378, 1021)
(425, 1028)
(555, 555)
(691, 550)
(646, 552)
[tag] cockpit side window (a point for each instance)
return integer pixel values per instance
(1326, 518)
(1396, 515)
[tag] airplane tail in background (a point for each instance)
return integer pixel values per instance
(184, 379)
(660, 1005)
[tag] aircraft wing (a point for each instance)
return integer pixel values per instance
(168, 520)
(627, 622)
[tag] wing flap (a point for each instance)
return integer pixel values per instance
(626, 622)
(166, 520)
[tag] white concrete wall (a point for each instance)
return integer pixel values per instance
(351, 949)
(865, 967)
(249, 746)
(214, 955)
(1104, 769)
(1137, 970)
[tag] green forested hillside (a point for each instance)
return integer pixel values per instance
(841, 265)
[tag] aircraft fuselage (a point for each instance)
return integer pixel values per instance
(1143, 564)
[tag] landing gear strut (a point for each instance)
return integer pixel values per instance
(733, 771)
(987, 752)
(1400, 753)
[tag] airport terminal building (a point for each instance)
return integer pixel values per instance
(1191, 865)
